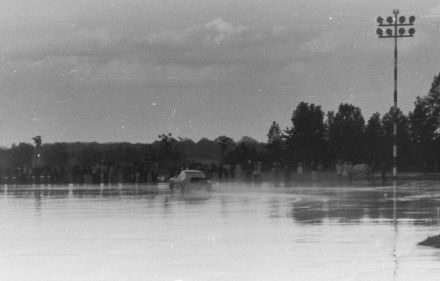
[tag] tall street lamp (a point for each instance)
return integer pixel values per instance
(394, 27)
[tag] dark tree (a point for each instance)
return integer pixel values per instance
(305, 140)
(275, 135)
(20, 155)
(170, 155)
(423, 133)
(57, 154)
(375, 141)
(345, 133)
(247, 150)
(402, 140)
(226, 145)
(425, 125)
(206, 150)
(275, 142)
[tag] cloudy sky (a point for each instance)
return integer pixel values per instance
(110, 71)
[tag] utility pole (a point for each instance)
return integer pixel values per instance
(395, 28)
(37, 161)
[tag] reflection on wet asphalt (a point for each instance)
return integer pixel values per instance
(235, 232)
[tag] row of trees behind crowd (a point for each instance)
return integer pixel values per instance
(314, 138)
(344, 135)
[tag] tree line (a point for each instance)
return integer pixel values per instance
(344, 135)
(314, 138)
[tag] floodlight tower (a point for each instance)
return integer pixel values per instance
(37, 157)
(395, 28)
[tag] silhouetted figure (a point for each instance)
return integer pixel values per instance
(345, 171)
(350, 171)
(287, 173)
(339, 170)
(300, 171)
(258, 172)
(220, 172)
(248, 171)
(372, 172)
(276, 167)
(213, 169)
(239, 172)
(384, 172)
(314, 168)
(232, 171)
(154, 173)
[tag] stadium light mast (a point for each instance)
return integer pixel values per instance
(394, 28)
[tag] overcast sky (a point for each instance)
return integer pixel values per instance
(110, 71)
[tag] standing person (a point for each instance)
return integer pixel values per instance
(248, 171)
(350, 171)
(226, 171)
(384, 172)
(300, 171)
(287, 173)
(220, 172)
(339, 169)
(314, 168)
(239, 171)
(372, 172)
(275, 170)
(213, 169)
(345, 171)
(258, 172)
(232, 171)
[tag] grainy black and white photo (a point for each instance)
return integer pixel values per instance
(220, 140)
